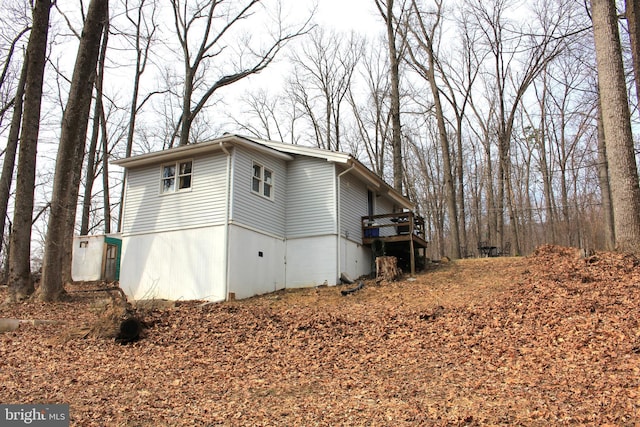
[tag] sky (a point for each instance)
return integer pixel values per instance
(358, 15)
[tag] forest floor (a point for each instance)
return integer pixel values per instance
(549, 339)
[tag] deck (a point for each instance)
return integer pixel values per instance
(399, 232)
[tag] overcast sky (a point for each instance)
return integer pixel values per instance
(357, 15)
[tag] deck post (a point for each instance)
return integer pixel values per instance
(413, 257)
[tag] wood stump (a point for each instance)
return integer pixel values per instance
(387, 268)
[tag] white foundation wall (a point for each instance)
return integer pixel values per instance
(355, 259)
(87, 258)
(256, 262)
(175, 265)
(311, 261)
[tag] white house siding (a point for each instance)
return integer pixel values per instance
(175, 265)
(256, 262)
(383, 205)
(251, 209)
(311, 202)
(353, 205)
(355, 260)
(147, 210)
(311, 261)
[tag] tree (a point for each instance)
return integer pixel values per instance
(98, 123)
(386, 10)
(70, 154)
(632, 12)
(10, 151)
(323, 74)
(605, 187)
(264, 108)
(533, 50)
(616, 119)
(202, 30)
(423, 61)
(20, 283)
(372, 115)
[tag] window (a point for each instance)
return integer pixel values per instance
(176, 177)
(262, 181)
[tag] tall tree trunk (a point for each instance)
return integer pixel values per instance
(10, 152)
(394, 65)
(513, 217)
(492, 212)
(605, 189)
(449, 182)
(70, 153)
(20, 283)
(106, 202)
(90, 172)
(187, 116)
(623, 172)
(98, 112)
(462, 215)
(540, 139)
(632, 12)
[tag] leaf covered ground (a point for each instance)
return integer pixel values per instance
(547, 339)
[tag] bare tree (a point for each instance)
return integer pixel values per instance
(605, 187)
(616, 118)
(6, 98)
(324, 68)
(20, 283)
(11, 149)
(632, 13)
(70, 153)
(202, 29)
(263, 108)
(90, 171)
(423, 61)
(372, 114)
(532, 52)
(391, 19)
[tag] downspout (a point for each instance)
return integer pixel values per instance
(227, 209)
(338, 222)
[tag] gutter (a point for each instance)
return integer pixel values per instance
(227, 212)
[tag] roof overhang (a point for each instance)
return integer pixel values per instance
(202, 148)
(379, 184)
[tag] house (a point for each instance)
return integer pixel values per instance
(236, 216)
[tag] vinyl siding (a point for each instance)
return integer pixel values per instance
(353, 205)
(383, 205)
(251, 209)
(146, 210)
(311, 207)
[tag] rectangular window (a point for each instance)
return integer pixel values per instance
(176, 177)
(262, 181)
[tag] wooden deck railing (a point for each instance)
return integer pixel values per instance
(400, 228)
(396, 226)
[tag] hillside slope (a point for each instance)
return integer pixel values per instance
(551, 338)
